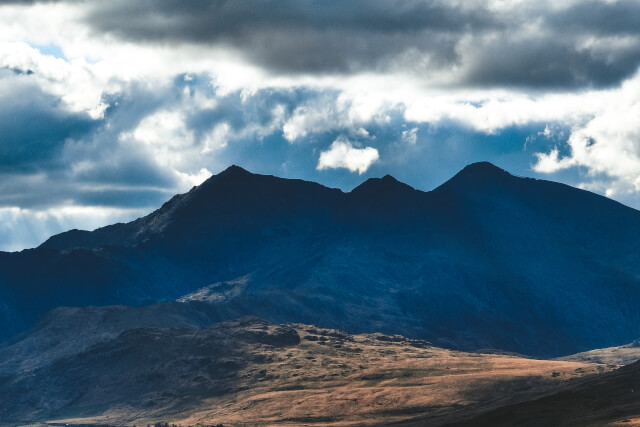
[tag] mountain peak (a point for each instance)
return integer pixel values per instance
(234, 170)
(385, 185)
(233, 173)
(480, 169)
(479, 175)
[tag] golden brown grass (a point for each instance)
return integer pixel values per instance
(335, 379)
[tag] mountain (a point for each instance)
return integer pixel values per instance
(486, 260)
(120, 366)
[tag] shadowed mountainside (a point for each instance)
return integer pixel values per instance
(69, 330)
(607, 399)
(487, 260)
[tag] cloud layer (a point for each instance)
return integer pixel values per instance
(476, 43)
(104, 115)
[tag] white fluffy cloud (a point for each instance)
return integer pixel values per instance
(74, 82)
(342, 154)
(608, 144)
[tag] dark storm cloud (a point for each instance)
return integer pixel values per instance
(26, 2)
(213, 20)
(599, 18)
(550, 63)
(298, 35)
(121, 167)
(580, 46)
(33, 127)
(29, 190)
(41, 143)
(56, 188)
(419, 37)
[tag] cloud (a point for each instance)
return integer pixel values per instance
(33, 127)
(549, 62)
(27, 228)
(342, 154)
(297, 36)
(51, 156)
(551, 162)
(107, 111)
(608, 18)
(410, 135)
(150, 143)
(607, 145)
(520, 44)
(471, 43)
(75, 84)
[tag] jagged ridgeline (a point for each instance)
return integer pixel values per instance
(486, 260)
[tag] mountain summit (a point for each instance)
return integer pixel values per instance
(234, 171)
(480, 175)
(486, 260)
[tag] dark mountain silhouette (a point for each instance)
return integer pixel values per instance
(487, 260)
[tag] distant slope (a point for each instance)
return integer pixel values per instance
(248, 372)
(487, 260)
(621, 355)
(70, 330)
(607, 399)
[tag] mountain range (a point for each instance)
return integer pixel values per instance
(487, 260)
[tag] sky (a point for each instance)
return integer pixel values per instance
(109, 108)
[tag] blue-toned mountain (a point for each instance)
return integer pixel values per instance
(486, 260)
